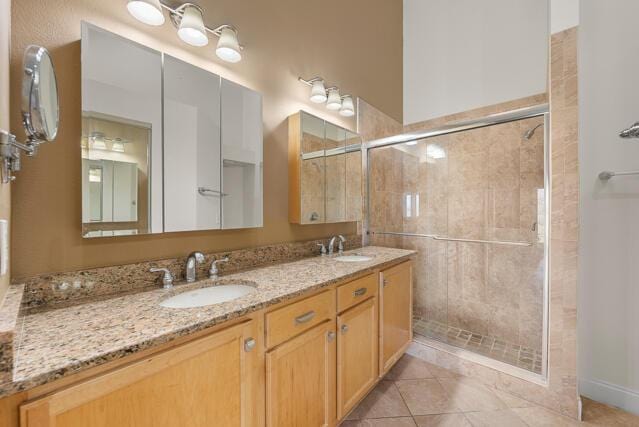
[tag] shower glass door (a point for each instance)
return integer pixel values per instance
(473, 204)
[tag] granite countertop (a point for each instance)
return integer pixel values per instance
(53, 344)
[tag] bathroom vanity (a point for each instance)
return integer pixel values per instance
(303, 349)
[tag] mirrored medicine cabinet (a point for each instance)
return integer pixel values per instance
(325, 171)
(166, 146)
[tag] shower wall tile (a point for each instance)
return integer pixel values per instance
(479, 112)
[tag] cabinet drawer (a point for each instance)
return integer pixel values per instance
(289, 321)
(356, 291)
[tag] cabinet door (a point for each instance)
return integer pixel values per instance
(300, 380)
(192, 188)
(357, 354)
(395, 314)
(210, 381)
(242, 163)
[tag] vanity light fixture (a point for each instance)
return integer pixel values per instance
(97, 140)
(347, 109)
(191, 29)
(118, 145)
(334, 102)
(147, 11)
(318, 90)
(228, 47)
(188, 18)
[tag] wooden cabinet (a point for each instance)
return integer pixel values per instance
(356, 291)
(357, 354)
(395, 314)
(302, 363)
(287, 322)
(210, 381)
(300, 380)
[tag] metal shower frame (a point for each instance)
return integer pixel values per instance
(541, 110)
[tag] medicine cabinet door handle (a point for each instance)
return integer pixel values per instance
(305, 317)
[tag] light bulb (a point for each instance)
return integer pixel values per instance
(146, 11)
(191, 29)
(334, 100)
(117, 146)
(348, 109)
(228, 48)
(318, 92)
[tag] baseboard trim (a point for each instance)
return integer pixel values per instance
(610, 394)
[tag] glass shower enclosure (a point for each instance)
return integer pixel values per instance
(472, 199)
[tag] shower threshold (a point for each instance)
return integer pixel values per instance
(493, 347)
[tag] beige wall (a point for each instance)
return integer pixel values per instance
(5, 189)
(283, 39)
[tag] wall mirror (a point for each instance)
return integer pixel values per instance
(325, 171)
(166, 146)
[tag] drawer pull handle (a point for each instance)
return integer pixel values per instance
(359, 292)
(306, 317)
(249, 344)
(344, 328)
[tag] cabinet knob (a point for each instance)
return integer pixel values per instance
(385, 282)
(330, 336)
(344, 329)
(249, 344)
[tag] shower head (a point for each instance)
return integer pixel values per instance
(529, 133)
(631, 132)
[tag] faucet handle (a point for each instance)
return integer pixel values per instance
(167, 277)
(323, 248)
(213, 271)
(340, 245)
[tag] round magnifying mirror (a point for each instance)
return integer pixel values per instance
(40, 110)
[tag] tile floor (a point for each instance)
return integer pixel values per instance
(416, 393)
(495, 348)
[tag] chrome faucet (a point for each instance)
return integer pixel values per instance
(192, 261)
(340, 247)
(213, 271)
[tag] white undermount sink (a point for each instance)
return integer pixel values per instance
(353, 258)
(207, 296)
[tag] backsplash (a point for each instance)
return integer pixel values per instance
(60, 289)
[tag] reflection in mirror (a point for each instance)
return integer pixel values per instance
(242, 166)
(115, 174)
(192, 190)
(313, 168)
(335, 173)
(330, 172)
(121, 136)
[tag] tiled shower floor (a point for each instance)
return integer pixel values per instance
(495, 348)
